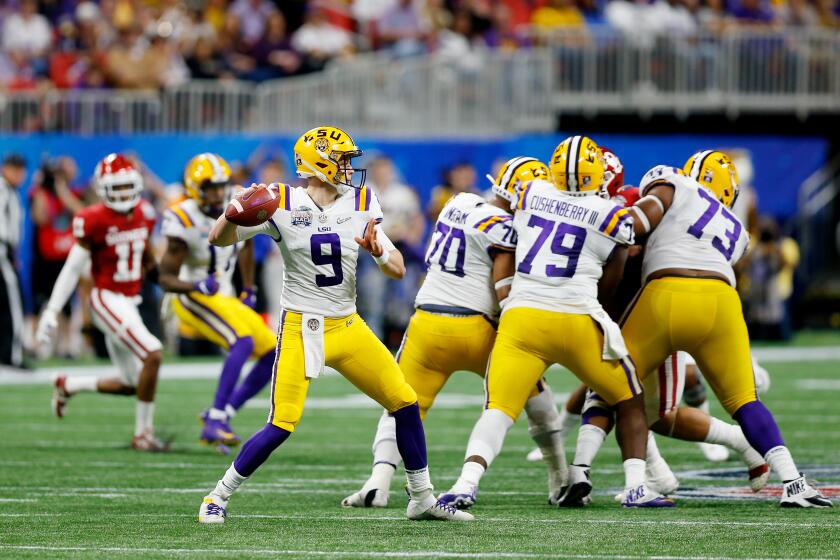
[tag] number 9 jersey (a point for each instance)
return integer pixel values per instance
(696, 232)
(564, 242)
(318, 247)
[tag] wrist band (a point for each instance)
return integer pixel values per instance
(504, 282)
(383, 259)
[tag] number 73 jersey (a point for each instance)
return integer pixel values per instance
(564, 243)
(117, 242)
(696, 232)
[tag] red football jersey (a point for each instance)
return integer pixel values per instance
(117, 243)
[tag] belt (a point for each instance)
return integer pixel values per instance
(450, 310)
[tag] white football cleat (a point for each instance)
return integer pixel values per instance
(759, 476)
(431, 509)
(534, 455)
(60, 395)
(557, 483)
(213, 510)
(713, 452)
(149, 443)
(798, 493)
(375, 497)
(643, 497)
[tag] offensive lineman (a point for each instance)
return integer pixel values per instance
(454, 325)
(689, 300)
(319, 229)
(112, 239)
(572, 244)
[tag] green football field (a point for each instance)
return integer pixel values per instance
(72, 488)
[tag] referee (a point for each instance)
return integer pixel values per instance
(12, 174)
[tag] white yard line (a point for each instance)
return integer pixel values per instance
(360, 553)
(210, 370)
(623, 520)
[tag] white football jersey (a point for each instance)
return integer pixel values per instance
(185, 221)
(319, 248)
(696, 232)
(459, 255)
(563, 243)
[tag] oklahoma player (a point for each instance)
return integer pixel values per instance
(112, 238)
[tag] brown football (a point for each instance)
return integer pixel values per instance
(253, 206)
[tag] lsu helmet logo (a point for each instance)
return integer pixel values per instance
(577, 166)
(515, 172)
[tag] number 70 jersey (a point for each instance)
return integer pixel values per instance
(696, 232)
(564, 243)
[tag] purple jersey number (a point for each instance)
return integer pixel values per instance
(696, 229)
(572, 253)
(333, 258)
(451, 235)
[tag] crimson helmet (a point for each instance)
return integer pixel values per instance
(613, 172)
(118, 182)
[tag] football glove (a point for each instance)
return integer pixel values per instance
(46, 326)
(209, 286)
(249, 297)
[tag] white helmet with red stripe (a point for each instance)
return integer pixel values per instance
(118, 182)
(613, 172)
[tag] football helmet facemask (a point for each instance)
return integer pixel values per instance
(715, 171)
(118, 183)
(204, 171)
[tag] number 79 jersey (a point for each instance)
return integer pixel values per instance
(117, 242)
(696, 232)
(564, 242)
(319, 248)
(459, 255)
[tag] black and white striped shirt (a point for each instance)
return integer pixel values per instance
(10, 215)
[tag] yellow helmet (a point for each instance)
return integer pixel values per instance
(324, 152)
(203, 170)
(577, 166)
(715, 171)
(516, 171)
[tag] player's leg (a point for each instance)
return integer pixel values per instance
(118, 318)
(265, 341)
(364, 361)
(724, 357)
(515, 367)
(545, 426)
(616, 382)
(288, 394)
(219, 319)
(695, 396)
(569, 418)
(429, 353)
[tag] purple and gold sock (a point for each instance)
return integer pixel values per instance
(238, 354)
(411, 439)
(258, 448)
(257, 378)
(759, 427)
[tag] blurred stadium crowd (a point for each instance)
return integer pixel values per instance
(150, 44)
(58, 189)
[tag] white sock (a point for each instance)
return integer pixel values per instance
(385, 448)
(81, 383)
(144, 413)
(589, 442)
(781, 462)
(704, 406)
(488, 435)
(652, 449)
(216, 414)
(380, 477)
(229, 483)
(731, 436)
(634, 473)
(230, 412)
(419, 483)
(545, 428)
(486, 441)
(655, 464)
